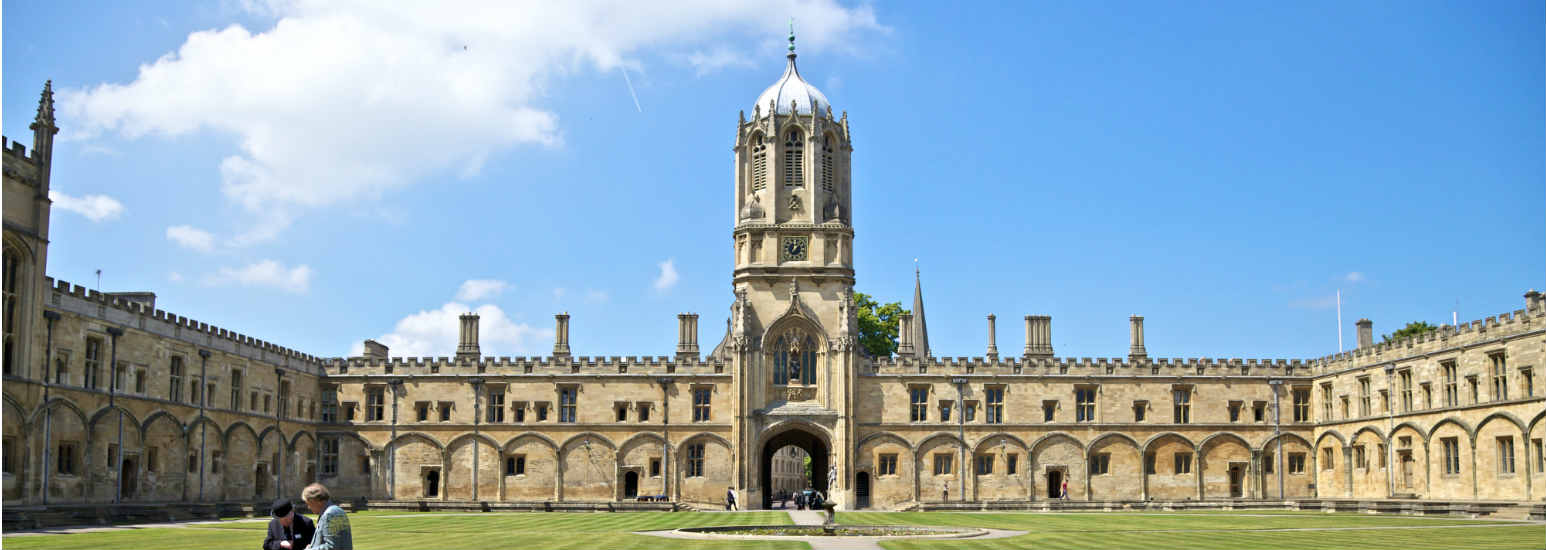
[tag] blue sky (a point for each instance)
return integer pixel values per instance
(318, 174)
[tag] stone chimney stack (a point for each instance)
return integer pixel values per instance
(561, 335)
(904, 332)
(1038, 336)
(1365, 333)
(992, 335)
(1135, 334)
(467, 345)
(1534, 301)
(687, 336)
(375, 350)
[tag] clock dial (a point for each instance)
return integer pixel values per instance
(795, 248)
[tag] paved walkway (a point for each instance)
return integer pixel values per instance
(808, 517)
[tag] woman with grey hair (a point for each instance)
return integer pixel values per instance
(332, 524)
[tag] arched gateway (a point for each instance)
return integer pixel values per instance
(814, 446)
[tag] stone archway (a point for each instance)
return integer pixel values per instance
(813, 445)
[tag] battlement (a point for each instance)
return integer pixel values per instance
(1445, 337)
(18, 165)
(506, 365)
(1088, 366)
(138, 314)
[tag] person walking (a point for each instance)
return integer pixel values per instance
(1065, 489)
(730, 499)
(332, 524)
(287, 530)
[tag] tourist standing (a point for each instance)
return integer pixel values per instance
(332, 524)
(287, 530)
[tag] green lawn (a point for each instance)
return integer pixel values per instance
(432, 531)
(1147, 530)
(1213, 530)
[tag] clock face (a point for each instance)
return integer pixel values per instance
(795, 248)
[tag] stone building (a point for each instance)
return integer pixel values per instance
(108, 399)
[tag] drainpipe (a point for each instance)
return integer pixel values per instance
(203, 402)
(279, 484)
(112, 391)
(48, 417)
(477, 390)
(1277, 428)
(665, 429)
(397, 386)
(1390, 423)
(960, 382)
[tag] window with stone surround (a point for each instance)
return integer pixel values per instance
(496, 404)
(1139, 410)
(644, 410)
(1499, 362)
(193, 461)
(518, 412)
(1326, 402)
(1363, 397)
(969, 411)
(375, 404)
(421, 411)
(236, 392)
(919, 396)
(8, 453)
(1427, 395)
(826, 163)
(515, 465)
(1296, 463)
(568, 404)
(62, 367)
(1473, 383)
(12, 305)
(695, 460)
(1234, 410)
(1011, 463)
(1540, 454)
(1182, 404)
(984, 465)
(1450, 454)
(654, 467)
(93, 363)
(1527, 381)
(175, 377)
(1150, 464)
(364, 464)
(542, 410)
(1183, 463)
(1328, 459)
(794, 159)
(1346, 408)
(1267, 463)
(445, 408)
(1383, 453)
(944, 409)
(620, 408)
(759, 163)
(329, 455)
(1451, 384)
(1505, 455)
(351, 411)
(701, 404)
(886, 465)
(1100, 464)
(994, 395)
(1360, 459)
(1259, 412)
(152, 456)
(1405, 378)
(1084, 404)
(215, 459)
(67, 457)
(944, 464)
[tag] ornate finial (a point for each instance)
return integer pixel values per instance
(46, 104)
(791, 36)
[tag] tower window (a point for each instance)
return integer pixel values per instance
(759, 164)
(794, 160)
(826, 163)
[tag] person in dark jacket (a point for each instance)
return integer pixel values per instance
(287, 530)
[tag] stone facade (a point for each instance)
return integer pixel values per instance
(108, 399)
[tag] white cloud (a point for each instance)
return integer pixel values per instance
(434, 333)
(479, 289)
(1354, 277)
(266, 273)
(94, 207)
(718, 58)
(191, 238)
(343, 101)
(667, 277)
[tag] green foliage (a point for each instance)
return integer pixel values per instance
(877, 324)
(808, 477)
(1414, 328)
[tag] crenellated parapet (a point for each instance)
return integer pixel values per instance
(506, 365)
(1532, 318)
(18, 164)
(117, 309)
(1088, 366)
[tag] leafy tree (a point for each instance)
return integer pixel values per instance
(808, 477)
(1414, 328)
(877, 324)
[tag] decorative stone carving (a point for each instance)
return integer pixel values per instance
(795, 204)
(799, 393)
(753, 208)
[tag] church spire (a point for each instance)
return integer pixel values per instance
(43, 130)
(920, 327)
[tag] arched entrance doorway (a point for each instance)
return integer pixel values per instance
(862, 490)
(813, 445)
(1054, 483)
(631, 485)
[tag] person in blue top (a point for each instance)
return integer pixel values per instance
(332, 524)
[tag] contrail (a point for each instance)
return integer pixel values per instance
(630, 90)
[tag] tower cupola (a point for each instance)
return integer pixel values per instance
(791, 94)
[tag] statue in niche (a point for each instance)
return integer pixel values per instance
(844, 311)
(833, 210)
(795, 204)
